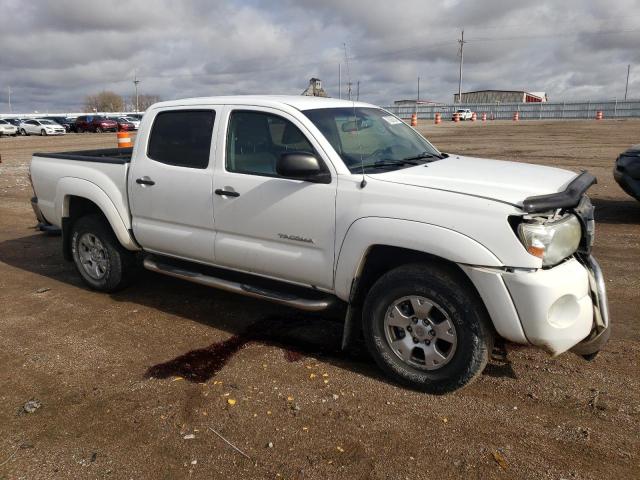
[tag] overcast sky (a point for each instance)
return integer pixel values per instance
(53, 53)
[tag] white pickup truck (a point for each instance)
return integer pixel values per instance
(314, 203)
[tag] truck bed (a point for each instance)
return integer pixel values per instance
(103, 155)
(98, 175)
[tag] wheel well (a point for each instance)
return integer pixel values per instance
(382, 258)
(77, 207)
(379, 260)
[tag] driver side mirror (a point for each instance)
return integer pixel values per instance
(302, 166)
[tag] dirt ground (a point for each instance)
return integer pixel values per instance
(272, 381)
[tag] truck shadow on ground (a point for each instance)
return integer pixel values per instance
(248, 321)
(625, 212)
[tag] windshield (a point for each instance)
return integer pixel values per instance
(46, 122)
(371, 138)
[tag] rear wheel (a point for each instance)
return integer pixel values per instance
(103, 263)
(427, 328)
(24, 132)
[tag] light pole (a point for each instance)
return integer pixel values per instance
(135, 83)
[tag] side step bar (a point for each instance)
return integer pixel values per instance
(283, 298)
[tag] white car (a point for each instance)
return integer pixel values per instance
(7, 129)
(463, 114)
(41, 126)
(135, 121)
(316, 203)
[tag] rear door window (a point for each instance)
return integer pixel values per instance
(182, 138)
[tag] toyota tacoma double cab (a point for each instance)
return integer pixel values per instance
(318, 203)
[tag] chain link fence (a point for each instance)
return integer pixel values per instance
(526, 111)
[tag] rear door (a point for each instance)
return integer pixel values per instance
(265, 223)
(170, 184)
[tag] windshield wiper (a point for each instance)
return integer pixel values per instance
(394, 163)
(423, 155)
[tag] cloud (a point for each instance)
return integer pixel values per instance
(55, 53)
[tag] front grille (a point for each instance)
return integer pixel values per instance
(584, 211)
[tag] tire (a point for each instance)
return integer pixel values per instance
(450, 327)
(24, 133)
(43, 133)
(79, 130)
(98, 130)
(102, 262)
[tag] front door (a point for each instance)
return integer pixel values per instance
(265, 223)
(170, 185)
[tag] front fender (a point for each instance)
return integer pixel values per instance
(71, 186)
(423, 237)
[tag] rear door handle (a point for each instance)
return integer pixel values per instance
(145, 181)
(227, 193)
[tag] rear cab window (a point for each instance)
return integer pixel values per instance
(182, 138)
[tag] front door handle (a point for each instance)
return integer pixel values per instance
(227, 193)
(145, 181)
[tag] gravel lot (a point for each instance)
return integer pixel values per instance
(273, 382)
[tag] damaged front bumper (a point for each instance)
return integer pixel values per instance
(562, 308)
(601, 329)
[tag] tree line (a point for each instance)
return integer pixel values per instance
(108, 101)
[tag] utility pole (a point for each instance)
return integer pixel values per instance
(11, 109)
(626, 88)
(358, 91)
(461, 42)
(339, 81)
(135, 83)
(418, 98)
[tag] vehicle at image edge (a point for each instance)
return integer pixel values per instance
(16, 122)
(95, 124)
(463, 114)
(325, 204)
(124, 125)
(7, 129)
(66, 122)
(627, 171)
(40, 126)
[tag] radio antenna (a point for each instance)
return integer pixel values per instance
(363, 182)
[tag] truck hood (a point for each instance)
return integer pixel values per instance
(503, 181)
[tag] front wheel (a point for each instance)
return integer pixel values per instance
(43, 133)
(427, 328)
(103, 263)
(98, 130)
(24, 132)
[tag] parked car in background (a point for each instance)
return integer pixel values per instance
(95, 123)
(134, 120)
(463, 114)
(124, 125)
(7, 128)
(64, 121)
(627, 171)
(15, 122)
(41, 126)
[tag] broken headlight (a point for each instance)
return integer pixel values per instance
(551, 240)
